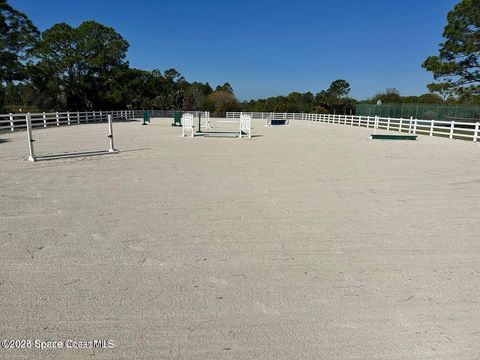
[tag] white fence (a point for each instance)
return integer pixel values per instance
(449, 129)
(266, 115)
(171, 113)
(13, 122)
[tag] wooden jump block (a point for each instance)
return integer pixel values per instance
(393, 137)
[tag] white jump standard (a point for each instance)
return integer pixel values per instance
(187, 124)
(245, 126)
(189, 128)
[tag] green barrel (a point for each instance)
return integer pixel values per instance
(177, 118)
(146, 117)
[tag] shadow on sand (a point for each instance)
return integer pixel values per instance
(75, 155)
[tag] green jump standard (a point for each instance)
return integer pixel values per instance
(393, 137)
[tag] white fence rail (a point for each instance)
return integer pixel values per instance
(171, 113)
(13, 122)
(449, 129)
(266, 115)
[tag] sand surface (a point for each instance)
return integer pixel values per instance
(305, 242)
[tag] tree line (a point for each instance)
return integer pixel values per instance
(85, 68)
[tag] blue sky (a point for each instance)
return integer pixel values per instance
(268, 48)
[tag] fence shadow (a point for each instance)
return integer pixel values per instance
(131, 150)
(3, 141)
(75, 155)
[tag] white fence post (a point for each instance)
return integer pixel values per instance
(410, 125)
(31, 152)
(368, 121)
(432, 124)
(375, 125)
(400, 125)
(110, 134)
(44, 120)
(12, 125)
(58, 120)
(475, 134)
(452, 126)
(415, 127)
(388, 124)
(78, 117)
(68, 117)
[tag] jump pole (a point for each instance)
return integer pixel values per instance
(31, 156)
(110, 134)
